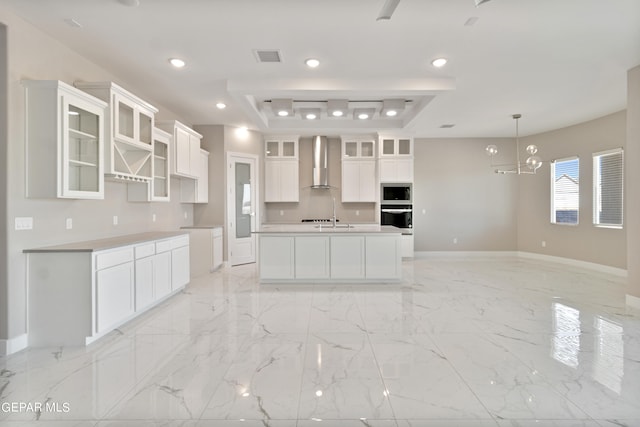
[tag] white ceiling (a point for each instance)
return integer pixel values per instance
(557, 62)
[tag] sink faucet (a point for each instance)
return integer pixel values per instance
(334, 220)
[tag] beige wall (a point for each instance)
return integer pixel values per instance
(34, 55)
(457, 195)
(632, 183)
(582, 242)
(219, 140)
(317, 203)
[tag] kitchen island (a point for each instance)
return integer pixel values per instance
(320, 253)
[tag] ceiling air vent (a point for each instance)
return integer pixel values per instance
(267, 55)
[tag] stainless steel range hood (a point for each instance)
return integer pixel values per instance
(320, 149)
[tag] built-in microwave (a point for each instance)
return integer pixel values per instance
(396, 194)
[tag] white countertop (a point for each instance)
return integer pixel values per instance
(315, 228)
(109, 243)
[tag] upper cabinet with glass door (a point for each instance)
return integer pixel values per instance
(129, 149)
(396, 147)
(358, 148)
(281, 147)
(65, 137)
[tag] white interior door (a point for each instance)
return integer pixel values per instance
(241, 208)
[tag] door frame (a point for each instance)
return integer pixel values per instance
(229, 181)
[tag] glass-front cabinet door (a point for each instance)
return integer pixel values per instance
(82, 160)
(65, 141)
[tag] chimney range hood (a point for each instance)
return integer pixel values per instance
(320, 147)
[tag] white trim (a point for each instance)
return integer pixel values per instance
(574, 262)
(608, 152)
(633, 301)
(14, 345)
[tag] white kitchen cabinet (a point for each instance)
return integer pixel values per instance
(79, 292)
(407, 246)
(395, 146)
(197, 190)
(114, 289)
(396, 169)
(205, 247)
(158, 189)
(281, 147)
(128, 153)
(65, 141)
(359, 182)
(347, 257)
(383, 259)
(358, 148)
(312, 257)
(276, 260)
(395, 159)
(281, 181)
(180, 271)
(186, 148)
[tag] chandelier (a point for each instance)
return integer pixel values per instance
(530, 166)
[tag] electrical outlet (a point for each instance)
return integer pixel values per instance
(357, 213)
(424, 211)
(281, 213)
(24, 223)
(69, 223)
(153, 217)
(544, 244)
(186, 215)
(455, 240)
(115, 220)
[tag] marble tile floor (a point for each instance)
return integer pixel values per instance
(493, 341)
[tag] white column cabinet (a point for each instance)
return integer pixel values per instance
(312, 257)
(347, 257)
(281, 169)
(180, 272)
(65, 141)
(359, 179)
(396, 159)
(276, 259)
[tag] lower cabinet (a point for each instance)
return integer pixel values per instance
(114, 295)
(78, 295)
(276, 258)
(312, 257)
(336, 257)
(347, 257)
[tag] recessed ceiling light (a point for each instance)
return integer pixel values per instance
(311, 116)
(221, 105)
(439, 62)
(337, 113)
(391, 113)
(283, 113)
(178, 63)
(312, 62)
(363, 116)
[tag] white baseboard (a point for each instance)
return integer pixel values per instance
(633, 301)
(576, 263)
(530, 255)
(14, 345)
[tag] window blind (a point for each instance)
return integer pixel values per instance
(608, 182)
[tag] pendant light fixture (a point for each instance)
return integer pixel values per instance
(530, 166)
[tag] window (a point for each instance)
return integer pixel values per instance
(565, 191)
(608, 188)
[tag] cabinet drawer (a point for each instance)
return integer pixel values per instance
(179, 242)
(163, 246)
(109, 259)
(146, 250)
